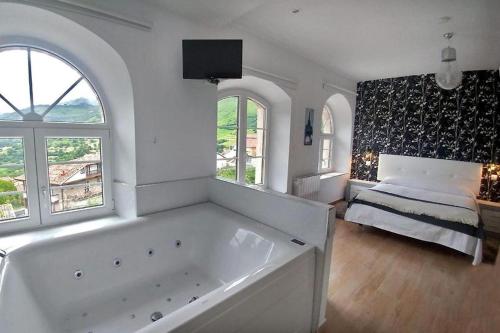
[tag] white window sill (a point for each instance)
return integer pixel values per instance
(39, 234)
(331, 175)
(254, 186)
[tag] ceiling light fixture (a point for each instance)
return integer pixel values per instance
(449, 76)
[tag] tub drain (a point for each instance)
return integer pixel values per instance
(156, 316)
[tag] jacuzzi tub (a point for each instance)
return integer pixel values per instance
(201, 268)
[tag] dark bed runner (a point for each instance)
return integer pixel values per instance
(455, 226)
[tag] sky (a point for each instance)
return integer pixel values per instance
(51, 77)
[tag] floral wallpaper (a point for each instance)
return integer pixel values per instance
(412, 116)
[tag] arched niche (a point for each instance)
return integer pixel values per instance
(342, 124)
(95, 58)
(279, 121)
(28, 25)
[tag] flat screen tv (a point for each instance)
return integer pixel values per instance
(212, 59)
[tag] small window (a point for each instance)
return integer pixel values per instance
(241, 139)
(326, 141)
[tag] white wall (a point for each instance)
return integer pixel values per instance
(174, 118)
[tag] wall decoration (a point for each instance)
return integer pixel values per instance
(308, 130)
(412, 116)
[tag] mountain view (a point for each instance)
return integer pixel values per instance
(227, 121)
(80, 110)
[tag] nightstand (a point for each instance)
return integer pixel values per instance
(354, 186)
(490, 214)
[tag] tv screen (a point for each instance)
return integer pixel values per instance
(212, 58)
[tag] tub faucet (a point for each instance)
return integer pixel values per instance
(2, 253)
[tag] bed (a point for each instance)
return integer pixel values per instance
(427, 199)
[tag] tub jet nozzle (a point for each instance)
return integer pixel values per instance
(156, 316)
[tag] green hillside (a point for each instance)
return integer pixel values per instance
(227, 121)
(69, 112)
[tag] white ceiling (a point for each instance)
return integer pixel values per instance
(363, 39)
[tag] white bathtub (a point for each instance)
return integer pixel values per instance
(240, 275)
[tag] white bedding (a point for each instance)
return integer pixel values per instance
(450, 207)
(379, 218)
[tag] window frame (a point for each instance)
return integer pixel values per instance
(35, 155)
(47, 216)
(243, 97)
(323, 137)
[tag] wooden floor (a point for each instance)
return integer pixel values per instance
(381, 282)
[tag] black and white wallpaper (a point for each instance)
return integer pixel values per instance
(412, 116)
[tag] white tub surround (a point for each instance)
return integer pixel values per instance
(113, 274)
(113, 279)
(157, 197)
(310, 221)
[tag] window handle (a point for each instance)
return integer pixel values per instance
(44, 191)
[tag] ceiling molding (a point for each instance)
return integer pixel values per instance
(331, 86)
(278, 79)
(87, 10)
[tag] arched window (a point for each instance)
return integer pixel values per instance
(241, 138)
(326, 140)
(54, 141)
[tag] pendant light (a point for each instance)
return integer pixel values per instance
(449, 76)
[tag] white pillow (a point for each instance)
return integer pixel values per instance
(431, 184)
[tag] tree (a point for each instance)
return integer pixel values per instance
(15, 199)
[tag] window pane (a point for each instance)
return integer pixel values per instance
(326, 143)
(227, 143)
(76, 197)
(254, 173)
(51, 78)
(255, 115)
(75, 173)
(326, 122)
(227, 169)
(326, 154)
(7, 113)
(13, 195)
(227, 112)
(325, 164)
(14, 84)
(73, 149)
(255, 142)
(80, 105)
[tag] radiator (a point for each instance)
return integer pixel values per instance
(307, 187)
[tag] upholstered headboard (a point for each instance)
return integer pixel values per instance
(466, 173)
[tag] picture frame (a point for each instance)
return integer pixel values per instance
(309, 127)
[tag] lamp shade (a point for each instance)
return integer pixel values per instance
(449, 76)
